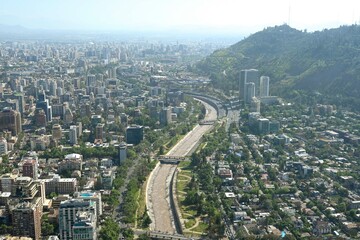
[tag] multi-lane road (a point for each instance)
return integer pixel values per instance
(157, 196)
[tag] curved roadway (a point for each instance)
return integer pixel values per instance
(157, 195)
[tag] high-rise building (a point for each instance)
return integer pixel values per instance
(91, 196)
(99, 131)
(68, 116)
(3, 146)
(73, 135)
(26, 219)
(122, 152)
(84, 227)
(53, 88)
(40, 117)
(67, 215)
(21, 100)
(91, 81)
(44, 104)
(264, 125)
(112, 72)
(250, 91)
(10, 120)
(79, 130)
(134, 134)
(59, 91)
(77, 83)
(264, 86)
(25, 188)
(247, 76)
(56, 131)
(255, 105)
(165, 116)
(7, 181)
(29, 168)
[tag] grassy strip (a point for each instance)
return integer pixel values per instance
(188, 212)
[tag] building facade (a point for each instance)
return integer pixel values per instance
(68, 211)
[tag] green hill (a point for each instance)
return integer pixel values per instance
(327, 61)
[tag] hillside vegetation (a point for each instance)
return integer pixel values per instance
(327, 61)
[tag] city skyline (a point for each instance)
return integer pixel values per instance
(191, 16)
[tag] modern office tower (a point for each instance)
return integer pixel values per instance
(255, 105)
(10, 103)
(26, 219)
(43, 103)
(122, 152)
(73, 135)
(247, 76)
(56, 131)
(68, 116)
(60, 83)
(59, 91)
(100, 77)
(112, 72)
(91, 196)
(86, 109)
(99, 131)
(84, 227)
(67, 215)
(21, 101)
(264, 125)
(29, 168)
(264, 86)
(165, 116)
(40, 117)
(3, 146)
(58, 110)
(91, 81)
(250, 91)
(95, 120)
(134, 134)
(53, 88)
(76, 83)
(79, 130)
(10, 120)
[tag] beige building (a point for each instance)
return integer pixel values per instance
(60, 185)
(56, 131)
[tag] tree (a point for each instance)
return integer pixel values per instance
(144, 237)
(128, 233)
(161, 150)
(46, 227)
(146, 221)
(4, 229)
(109, 230)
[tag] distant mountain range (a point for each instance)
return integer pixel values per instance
(327, 61)
(12, 29)
(180, 33)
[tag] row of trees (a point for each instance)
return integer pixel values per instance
(204, 187)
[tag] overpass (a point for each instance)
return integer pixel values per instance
(171, 159)
(163, 235)
(220, 108)
(204, 122)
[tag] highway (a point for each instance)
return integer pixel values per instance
(157, 192)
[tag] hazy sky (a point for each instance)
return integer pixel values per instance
(215, 15)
